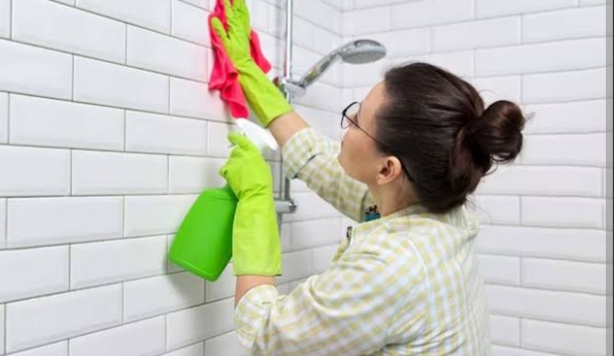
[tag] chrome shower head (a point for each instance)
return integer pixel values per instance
(355, 52)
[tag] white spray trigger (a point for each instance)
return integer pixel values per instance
(260, 137)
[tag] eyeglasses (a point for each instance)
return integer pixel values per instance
(349, 118)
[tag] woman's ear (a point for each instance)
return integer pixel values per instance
(389, 170)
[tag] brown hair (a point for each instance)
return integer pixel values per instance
(439, 129)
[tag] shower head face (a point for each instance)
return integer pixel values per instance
(362, 51)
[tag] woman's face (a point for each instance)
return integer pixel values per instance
(359, 156)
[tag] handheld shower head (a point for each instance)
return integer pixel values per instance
(355, 52)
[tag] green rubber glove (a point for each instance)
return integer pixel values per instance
(265, 99)
(256, 247)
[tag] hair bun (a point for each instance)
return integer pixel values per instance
(498, 132)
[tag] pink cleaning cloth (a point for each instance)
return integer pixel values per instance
(224, 76)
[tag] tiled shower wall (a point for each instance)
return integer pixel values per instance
(543, 245)
(107, 135)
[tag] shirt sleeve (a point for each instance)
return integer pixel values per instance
(347, 310)
(312, 157)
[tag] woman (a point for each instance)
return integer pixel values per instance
(406, 281)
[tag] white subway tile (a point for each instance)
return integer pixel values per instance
(193, 174)
(114, 261)
(562, 212)
(428, 13)
(543, 57)
(327, 16)
(5, 24)
(33, 272)
(563, 117)
(227, 344)
(500, 269)
(67, 2)
(404, 42)
(118, 173)
(193, 99)
(190, 23)
(575, 244)
(188, 326)
(143, 338)
(477, 34)
(534, 180)
(223, 288)
(44, 320)
(2, 223)
(492, 89)
(555, 306)
(46, 221)
(499, 350)
(303, 32)
(37, 121)
(201, 3)
(4, 118)
(564, 86)
(217, 139)
(2, 331)
(314, 233)
(573, 150)
(296, 265)
(322, 257)
(173, 292)
(194, 350)
(155, 15)
(565, 275)
(23, 167)
(57, 349)
(153, 51)
(563, 338)
(323, 96)
(32, 70)
(367, 21)
(326, 41)
(359, 4)
(459, 63)
(114, 85)
(260, 14)
(149, 215)
(48, 24)
(311, 207)
(551, 26)
(595, 2)
(492, 209)
(505, 330)
(165, 134)
(492, 8)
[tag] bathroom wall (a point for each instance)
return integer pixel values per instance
(543, 245)
(107, 135)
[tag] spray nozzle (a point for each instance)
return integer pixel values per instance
(260, 137)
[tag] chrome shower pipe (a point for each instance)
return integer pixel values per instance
(284, 204)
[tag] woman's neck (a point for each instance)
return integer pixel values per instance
(389, 200)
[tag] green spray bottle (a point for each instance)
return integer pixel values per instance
(203, 243)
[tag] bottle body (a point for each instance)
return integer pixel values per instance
(203, 243)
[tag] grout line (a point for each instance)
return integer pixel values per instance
(11, 18)
(126, 45)
(125, 129)
(107, 61)
(72, 89)
(70, 177)
(69, 267)
(8, 117)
